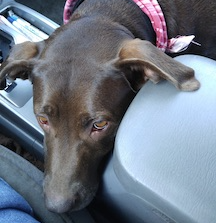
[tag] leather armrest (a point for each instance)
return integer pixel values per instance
(165, 148)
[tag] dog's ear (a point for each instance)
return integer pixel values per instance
(141, 61)
(20, 62)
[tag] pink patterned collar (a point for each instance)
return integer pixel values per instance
(68, 9)
(153, 10)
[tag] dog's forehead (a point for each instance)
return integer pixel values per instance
(69, 72)
(65, 86)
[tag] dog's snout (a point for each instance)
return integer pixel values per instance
(60, 204)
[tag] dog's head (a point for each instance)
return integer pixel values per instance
(80, 96)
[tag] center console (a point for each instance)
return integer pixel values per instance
(16, 103)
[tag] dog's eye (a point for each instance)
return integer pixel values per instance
(42, 120)
(100, 125)
(44, 123)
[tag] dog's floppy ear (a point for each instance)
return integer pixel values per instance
(20, 62)
(141, 61)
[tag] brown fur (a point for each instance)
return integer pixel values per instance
(88, 71)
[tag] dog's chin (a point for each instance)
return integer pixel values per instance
(61, 204)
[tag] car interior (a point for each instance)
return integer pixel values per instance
(162, 167)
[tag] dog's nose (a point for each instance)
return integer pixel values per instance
(60, 204)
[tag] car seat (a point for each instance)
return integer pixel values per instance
(26, 179)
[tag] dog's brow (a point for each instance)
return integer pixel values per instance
(49, 110)
(85, 120)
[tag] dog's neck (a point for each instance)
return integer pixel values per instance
(150, 8)
(137, 23)
(155, 25)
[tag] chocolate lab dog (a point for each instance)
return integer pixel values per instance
(87, 73)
